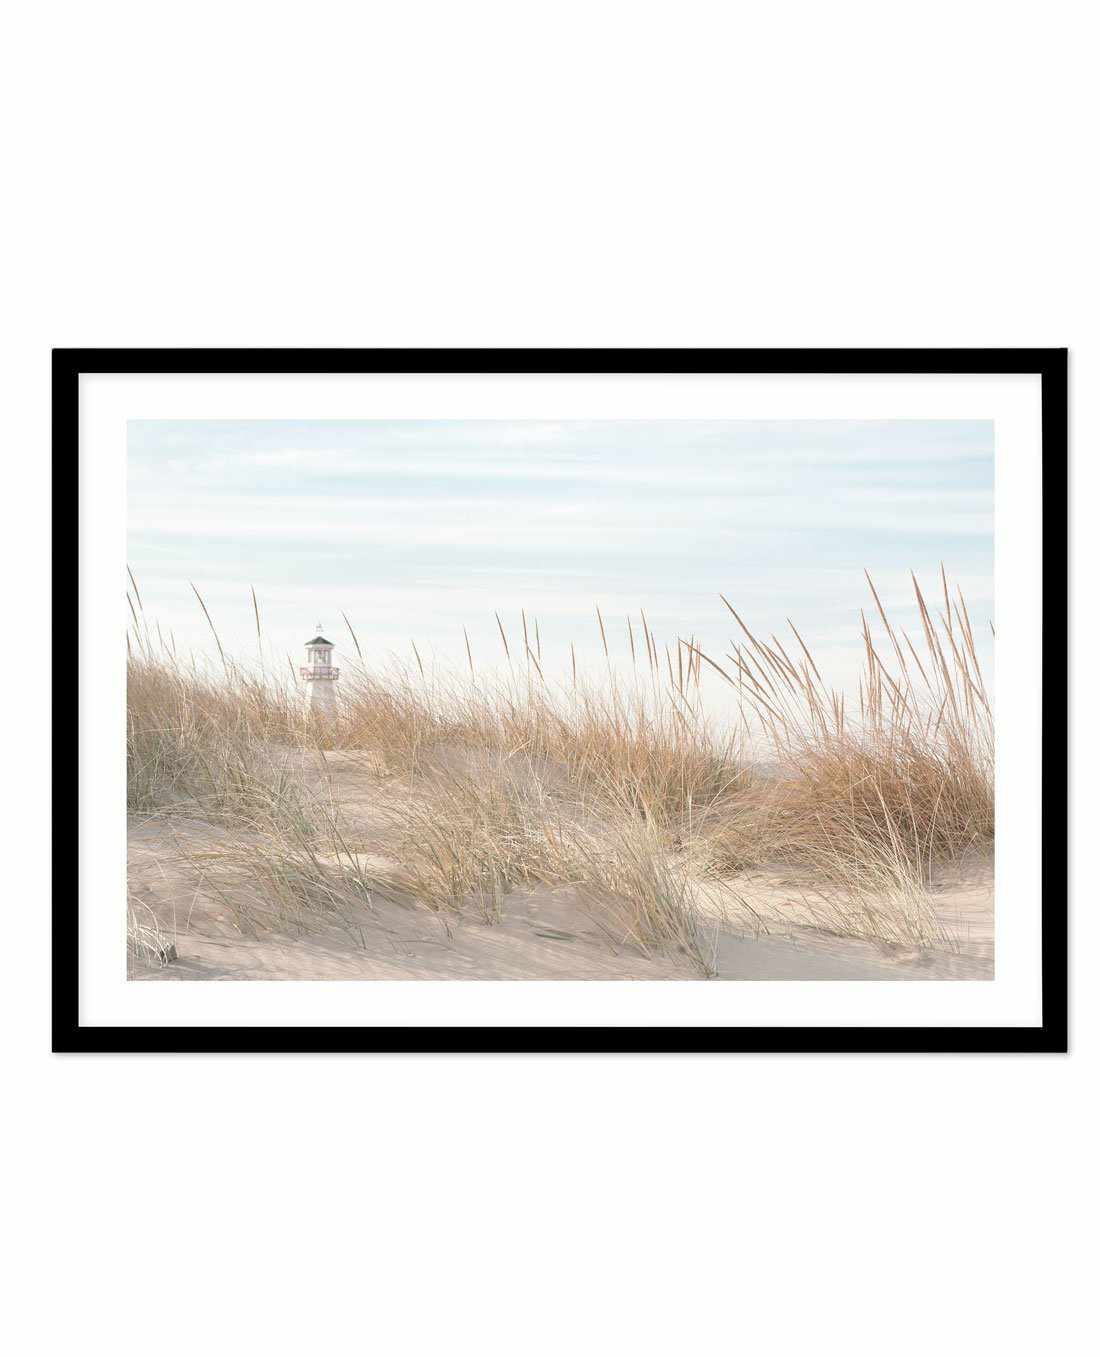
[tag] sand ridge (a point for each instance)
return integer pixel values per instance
(758, 925)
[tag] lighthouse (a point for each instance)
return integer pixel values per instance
(320, 677)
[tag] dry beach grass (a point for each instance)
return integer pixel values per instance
(471, 827)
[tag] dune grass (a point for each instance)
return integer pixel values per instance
(288, 880)
(619, 791)
(147, 943)
(909, 776)
(470, 837)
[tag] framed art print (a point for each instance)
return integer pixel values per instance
(562, 700)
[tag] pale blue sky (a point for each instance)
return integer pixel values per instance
(415, 529)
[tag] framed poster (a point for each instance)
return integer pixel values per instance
(563, 700)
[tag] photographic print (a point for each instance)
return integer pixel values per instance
(604, 700)
(688, 703)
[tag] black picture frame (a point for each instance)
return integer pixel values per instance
(1051, 365)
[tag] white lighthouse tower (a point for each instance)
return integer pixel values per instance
(320, 677)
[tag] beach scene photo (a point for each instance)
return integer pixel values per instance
(487, 700)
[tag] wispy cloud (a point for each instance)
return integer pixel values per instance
(417, 528)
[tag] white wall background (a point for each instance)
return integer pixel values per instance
(474, 174)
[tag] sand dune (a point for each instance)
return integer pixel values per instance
(755, 925)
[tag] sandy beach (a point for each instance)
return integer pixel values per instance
(756, 925)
